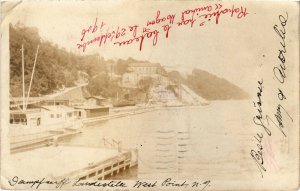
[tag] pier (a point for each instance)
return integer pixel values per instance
(105, 169)
(68, 161)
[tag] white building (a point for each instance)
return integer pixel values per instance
(142, 70)
(56, 114)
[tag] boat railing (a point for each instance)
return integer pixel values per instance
(111, 143)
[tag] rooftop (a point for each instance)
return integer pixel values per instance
(58, 108)
(90, 107)
(144, 64)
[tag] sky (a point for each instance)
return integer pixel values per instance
(232, 49)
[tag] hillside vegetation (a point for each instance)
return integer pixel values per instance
(57, 68)
(209, 86)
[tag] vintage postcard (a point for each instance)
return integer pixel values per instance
(150, 95)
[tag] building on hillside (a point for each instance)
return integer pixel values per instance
(145, 68)
(142, 70)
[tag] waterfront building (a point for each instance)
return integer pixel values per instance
(57, 114)
(30, 117)
(96, 100)
(90, 111)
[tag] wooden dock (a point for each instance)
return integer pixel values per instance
(105, 169)
(74, 162)
(118, 113)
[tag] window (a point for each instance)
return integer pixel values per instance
(52, 115)
(18, 118)
(57, 115)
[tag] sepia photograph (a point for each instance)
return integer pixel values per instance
(158, 95)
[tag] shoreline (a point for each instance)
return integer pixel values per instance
(46, 137)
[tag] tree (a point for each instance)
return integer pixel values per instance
(102, 85)
(121, 67)
(145, 84)
(55, 66)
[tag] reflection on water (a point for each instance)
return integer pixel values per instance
(183, 142)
